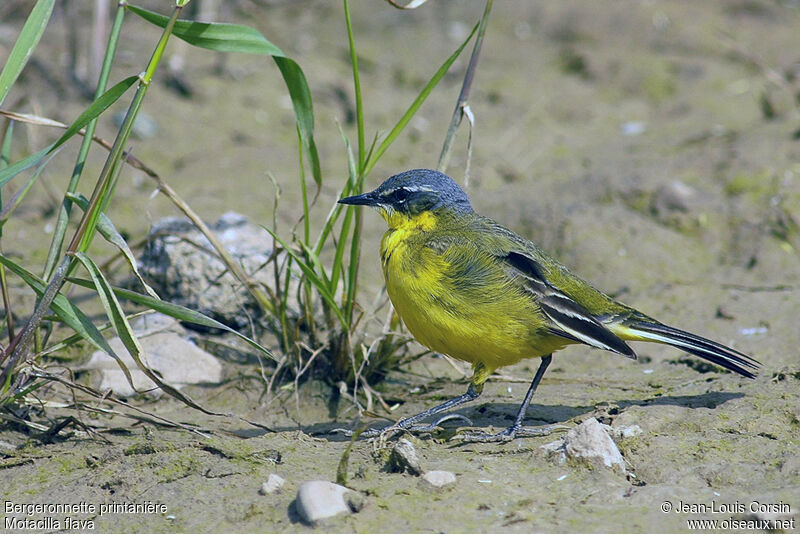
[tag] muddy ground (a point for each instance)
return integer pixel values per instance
(586, 116)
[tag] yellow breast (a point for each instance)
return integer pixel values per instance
(458, 300)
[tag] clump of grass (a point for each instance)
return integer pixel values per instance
(327, 332)
(22, 374)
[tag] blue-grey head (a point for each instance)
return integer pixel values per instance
(413, 192)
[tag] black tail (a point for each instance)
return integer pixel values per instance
(721, 355)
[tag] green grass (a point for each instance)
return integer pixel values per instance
(327, 333)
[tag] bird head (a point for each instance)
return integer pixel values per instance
(412, 193)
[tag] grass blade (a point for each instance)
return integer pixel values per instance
(177, 312)
(94, 110)
(313, 278)
(462, 109)
(345, 229)
(60, 230)
(214, 35)
(318, 267)
(238, 38)
(110, 233)
(26, 42)
(68, 313)
(5, 152)
(356, 86)
(416, 104)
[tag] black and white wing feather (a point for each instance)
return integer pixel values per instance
(568, 318)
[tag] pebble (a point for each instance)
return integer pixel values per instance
(181, 265)
(404, 458)
(633, 128)
(589, 442)
(320, 499)
(165, 350)
(674, 196)
(622, 432)
(438, 479)
(273, 484)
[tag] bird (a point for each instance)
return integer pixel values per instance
(467, 287)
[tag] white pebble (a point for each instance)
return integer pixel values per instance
(591, 443)
(633, 128)
(753, 331)
(439, 479)
(625, 431)
(320, 499)
(274, 483)
(404, 458)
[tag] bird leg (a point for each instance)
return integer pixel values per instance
(473, 392)
(516, 429)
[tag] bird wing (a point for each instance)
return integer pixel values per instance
(569, 319)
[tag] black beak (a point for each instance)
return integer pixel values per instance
(367, 199)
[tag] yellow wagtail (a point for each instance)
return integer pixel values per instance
(469, 288)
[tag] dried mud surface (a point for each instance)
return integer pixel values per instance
(586, 113)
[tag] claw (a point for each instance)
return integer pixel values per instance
(452, 416)
(344, 431)
(432, 427)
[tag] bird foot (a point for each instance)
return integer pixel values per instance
(510, 433)
(392, 430)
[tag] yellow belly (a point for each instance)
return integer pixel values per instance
(472, 313)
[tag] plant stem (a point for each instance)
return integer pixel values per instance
(4, 155)
(357, 90)
(66, 206)
(101, 197)
(444, 157)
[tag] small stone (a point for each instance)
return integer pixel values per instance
(633, 128)
(589, 442)
(438, 479)
(623, 432)
(404, 458)
(320, 499)
(273, 484)
(674, 196)
(165, 351)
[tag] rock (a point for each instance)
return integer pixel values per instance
(320, 499)
(438, 479)
(273, 484)
(182, 266)
(178, 361)
(589, 442)
(404, 458)
(155, 323)
(675, 196)
(623, 432)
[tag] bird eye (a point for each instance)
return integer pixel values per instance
(400, 195)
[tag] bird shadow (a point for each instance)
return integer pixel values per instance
(499, 414)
